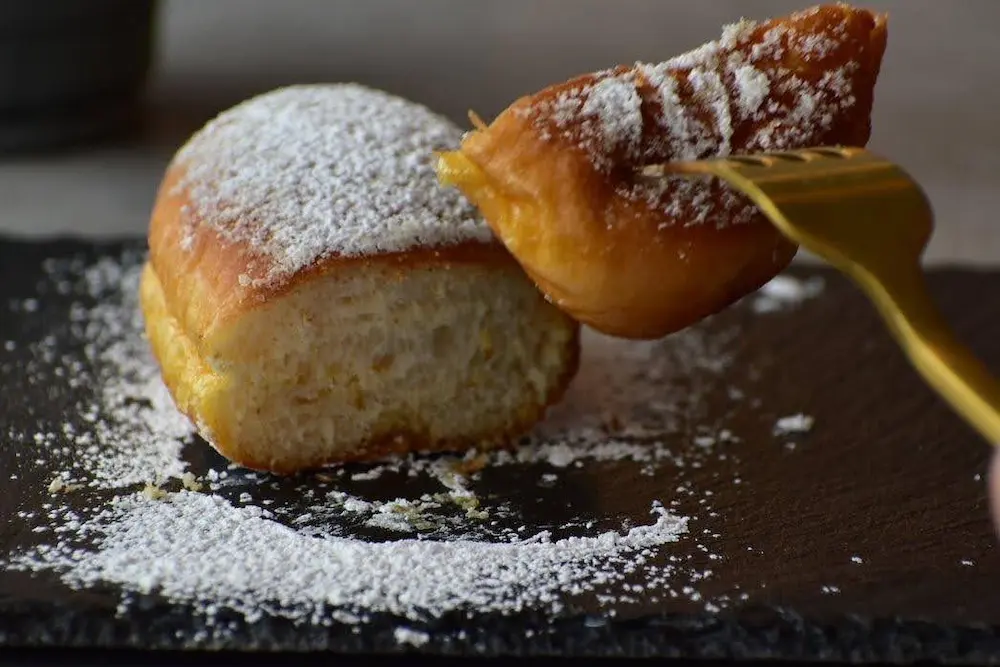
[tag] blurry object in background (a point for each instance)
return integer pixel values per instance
(71, 71)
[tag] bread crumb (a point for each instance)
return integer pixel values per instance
(153, 491)
(190, 482)
(60, 485)
(471, 464)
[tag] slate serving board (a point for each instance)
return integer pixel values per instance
(888, 477)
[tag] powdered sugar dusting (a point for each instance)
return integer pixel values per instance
(793, 424)
(617, 108)
(141, 543)
(752, 88)
(784, 291)
(335, 549)
(308, 172)
(739, 94)
(411, 637)
(129, 432)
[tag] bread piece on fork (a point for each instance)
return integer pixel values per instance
(557, 174)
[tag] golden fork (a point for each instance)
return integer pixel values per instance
(866, 217)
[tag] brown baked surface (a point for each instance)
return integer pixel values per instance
(555, 174)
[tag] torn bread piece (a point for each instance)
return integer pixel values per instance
(557, 174)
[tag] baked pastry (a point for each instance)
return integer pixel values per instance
(556, 175)
(314, 295)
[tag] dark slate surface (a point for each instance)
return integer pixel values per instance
(888, 472)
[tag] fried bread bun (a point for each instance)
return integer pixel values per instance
(314, 295)
(557, 174)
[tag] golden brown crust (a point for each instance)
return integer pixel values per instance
(566, 199)
(207, 279)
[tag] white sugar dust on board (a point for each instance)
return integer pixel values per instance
(141, 545)
(410, 636)
(126, 432)
(793, 424)
(340, 551)
(785, 291)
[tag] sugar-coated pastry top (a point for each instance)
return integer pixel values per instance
(557, 175)
(308, 173)
(761, 86)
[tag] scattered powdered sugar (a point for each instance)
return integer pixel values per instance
(307, 172)
(784, 291)
(793, 424)
(127, 509)
(410, 636)
(128, 431)
(741, 93)
(184, 548)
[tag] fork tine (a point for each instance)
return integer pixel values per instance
(824, 195)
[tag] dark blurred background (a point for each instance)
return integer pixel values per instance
(937, 104)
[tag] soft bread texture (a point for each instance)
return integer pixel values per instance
(414, 331)
(556, 175)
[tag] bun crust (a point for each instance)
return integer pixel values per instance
(556, 175)
(415, 331)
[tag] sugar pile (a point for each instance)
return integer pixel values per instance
(219, 544)
(143, 544)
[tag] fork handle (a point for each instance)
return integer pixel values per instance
(904, 302)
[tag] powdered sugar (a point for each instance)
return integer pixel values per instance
(752, 88)
(793, 424)
(743, 88)
(308, 172)
(785, 291)
(140, 544)
(617, 109)
(712, 92)
(129, 432)
(339, 547)
(411, 637)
